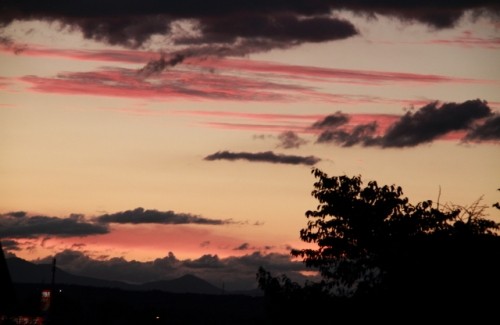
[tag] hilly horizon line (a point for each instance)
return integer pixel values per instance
(22, 271)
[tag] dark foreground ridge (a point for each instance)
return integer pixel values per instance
(73, 304)
(419, 295)
(84, 300)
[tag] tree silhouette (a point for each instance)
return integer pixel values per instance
(287, 302)
(360, 231)
(375, 248)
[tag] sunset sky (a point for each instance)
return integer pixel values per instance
(142, 140)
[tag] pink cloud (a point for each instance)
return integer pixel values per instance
(255, 127)
(123, 56)
(365, 77)
(215, 79)
(263, 68)
(146, 242)
(174, 85)
(5, 83)
(468, 40)
(276, 123)
(256, 116)
(305, 119)
(179, 84)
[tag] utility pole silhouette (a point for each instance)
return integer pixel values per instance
(52, 284)
(48, 296)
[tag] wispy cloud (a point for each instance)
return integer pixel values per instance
(214, 78)
(283, 123)
(468, 40)
(283, 127)
(290, 139)
(101, 55)
(311, 73)
(252, 116)
(176, 85)
(157, 66)
(242, 247)
(156, 63)
(267, 156)
(5, 83)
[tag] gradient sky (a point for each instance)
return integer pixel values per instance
(145, 140)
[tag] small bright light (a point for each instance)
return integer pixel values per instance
(157, 317)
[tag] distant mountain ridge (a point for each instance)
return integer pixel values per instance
(22, 271)
(185, 284)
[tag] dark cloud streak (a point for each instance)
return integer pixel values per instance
(428, 123)
(20, 225)
(157, 66)
(281, 28)
(242, 247)
(431, 121)
(141, 216)
(362, 133)
(489, 130)
(232, 27)
(332, 121)
(267, 156)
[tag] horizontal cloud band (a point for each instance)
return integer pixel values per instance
(21, 225)
(139, 216)
(238, 272)
(267, 156)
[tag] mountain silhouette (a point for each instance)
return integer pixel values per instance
(185, 284)
(23, 271)
(80, 300)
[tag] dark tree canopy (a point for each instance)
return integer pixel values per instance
(375, 249)
(363, 231)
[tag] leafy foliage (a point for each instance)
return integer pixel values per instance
(380, 254)
(289, 302)
(360, 231)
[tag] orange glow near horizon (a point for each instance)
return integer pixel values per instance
(86, 129)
